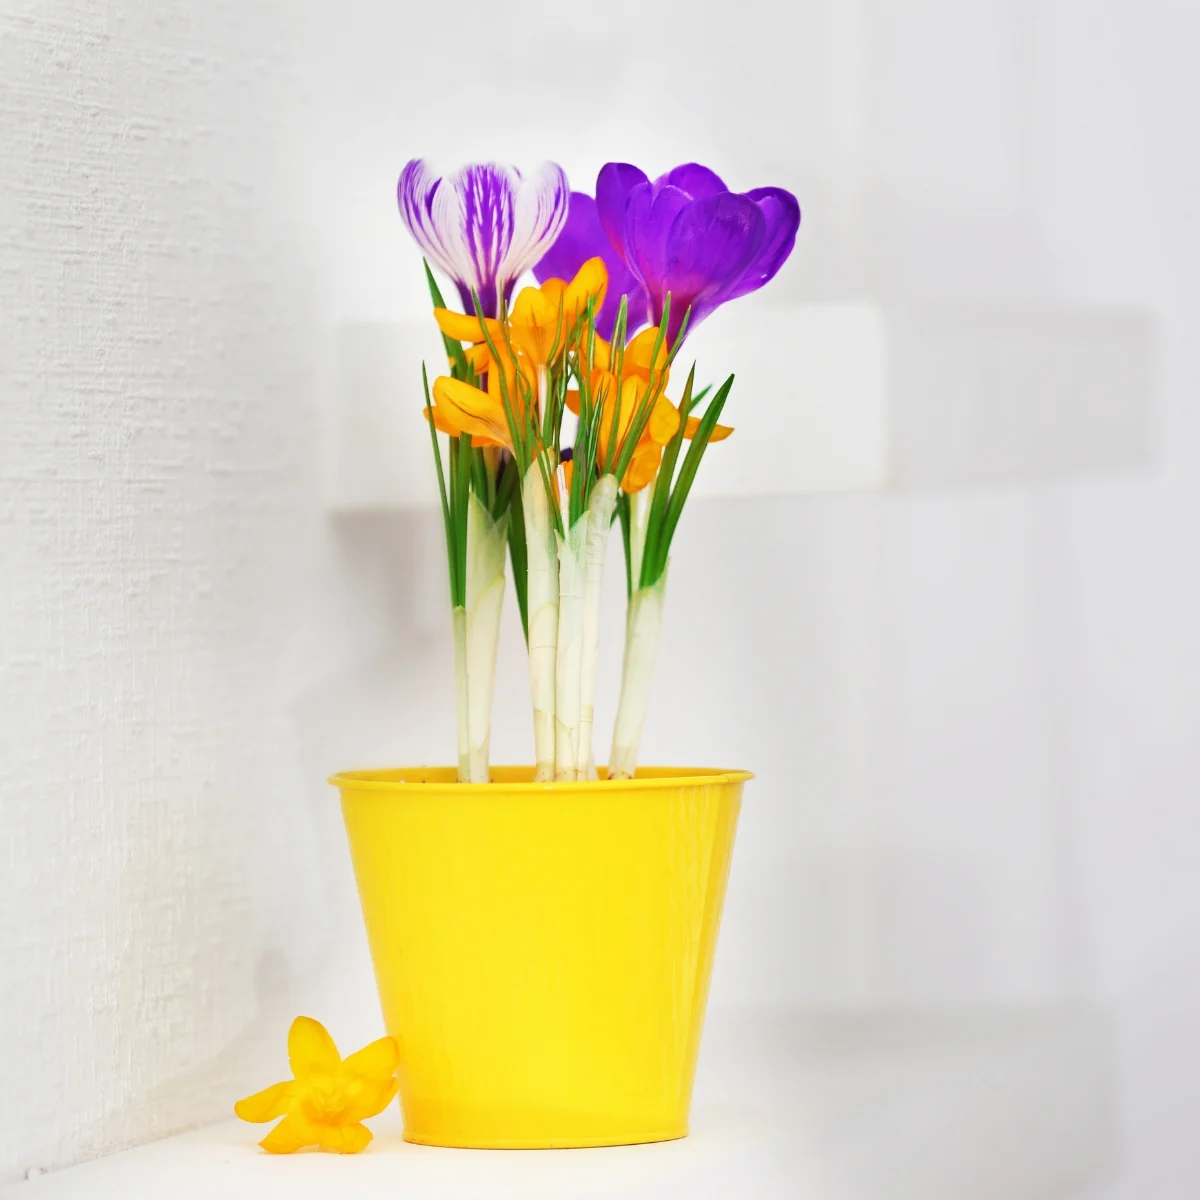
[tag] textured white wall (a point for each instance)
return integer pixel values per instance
(194, 196)
(164, 565)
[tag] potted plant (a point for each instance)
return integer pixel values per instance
(543, 936)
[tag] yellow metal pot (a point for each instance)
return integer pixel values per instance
(542, 950)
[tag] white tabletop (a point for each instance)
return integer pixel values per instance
(984, 1106)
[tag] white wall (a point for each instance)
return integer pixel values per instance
(168, 581)
(971, 712)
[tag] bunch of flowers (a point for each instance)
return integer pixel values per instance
(559, 419)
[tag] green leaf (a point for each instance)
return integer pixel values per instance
(662, 487)
(687, 474)
(517, 551)
(454, 350)
(451, 552)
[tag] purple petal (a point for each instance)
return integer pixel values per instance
(583, 237)
(781, 213)
(699, 182)
(648, 221)
(540, 208)
(613, 185)
(711, 244)
(484, 225)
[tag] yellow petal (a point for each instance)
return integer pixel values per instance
(719, 432)
(378, 1060)
(573, 400)
(268, 1104)
(291, 1134)
(464, 328)
(591, 280)
(440, 423)
(470, 410)
(345, 1139)
(664, 421)
(640, 351)
(478, 357)
(366, 1096)
(642, 467)
(311, 1050)
(538, 326)
(601, 353)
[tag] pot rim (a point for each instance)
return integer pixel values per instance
(510, 779)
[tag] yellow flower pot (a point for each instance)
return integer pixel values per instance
(542, 950)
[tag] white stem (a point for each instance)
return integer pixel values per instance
(639, 520)
(599, 517)
(643, 624)
(462, 694)
(487, 543)
(569, 660)
(542, 604)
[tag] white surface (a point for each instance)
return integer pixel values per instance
(998, 1106)
(973, 715)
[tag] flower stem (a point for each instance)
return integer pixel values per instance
(462, 693)
(569, 651)
(643, 624)
(486, 545)
(542, 601)
(599, 522)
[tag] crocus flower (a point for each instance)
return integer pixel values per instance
(484, 226)
(460, 407)
(540, 323)
(687, 234)
(637, 368)
(324, 1105)
(583, 238)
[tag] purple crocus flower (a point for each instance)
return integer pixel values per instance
(583, 237)
(485, 225)
(688, 234)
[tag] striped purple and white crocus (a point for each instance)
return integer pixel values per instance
(485, 225)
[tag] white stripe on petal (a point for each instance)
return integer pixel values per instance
(486, 224)
(539, 214)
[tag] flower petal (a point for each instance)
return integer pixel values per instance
(590, 283)
(311, 1050)
(781, 215)
(640, 351)
(377, 1060)
(663, 423)
(344, 1139)
(649, 219)
(291, 1134)
(366, 1096)
(539, 213)
(613, 185)
(440, 421)
(471, 410)
(268, 1104)
(719, 432)
(643, 466)
(478, 357)
(484, 225)
(710, 245)
(464, 328)
(694, 179)
(583, 238)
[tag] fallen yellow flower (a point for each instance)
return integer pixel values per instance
(326, 1102)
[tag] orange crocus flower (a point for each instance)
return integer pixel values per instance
(636, 378)
(539, 324)
(460, 407)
